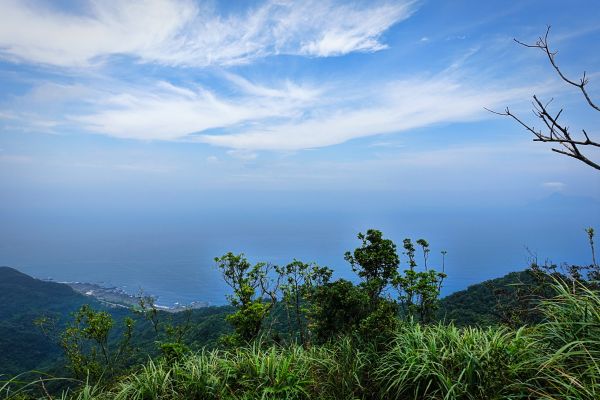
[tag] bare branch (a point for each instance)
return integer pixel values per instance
(542, 44)
(583, 159)
(575, 142)
(556, 132)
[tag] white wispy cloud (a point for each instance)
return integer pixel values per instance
(350, 29)
(288, 90)
(190, 33)
(399, 106)
(288, 116)
(168, 112)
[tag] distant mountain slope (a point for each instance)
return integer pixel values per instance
(22, 300)
(476, 305)
(21, 294)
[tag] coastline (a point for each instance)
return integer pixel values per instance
(117, 297)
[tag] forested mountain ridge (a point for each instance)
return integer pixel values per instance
(478, 304)
(24, 299)
(21, 294)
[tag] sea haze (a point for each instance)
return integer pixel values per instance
(169, 252)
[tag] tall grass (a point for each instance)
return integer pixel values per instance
(29, 385)
(203, 376)
(14, 388)
(243, 373)
(445, 362)
(325, 372)
(340, 370)
(87, 392)
(567, 362)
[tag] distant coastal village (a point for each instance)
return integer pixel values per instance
(117, 297)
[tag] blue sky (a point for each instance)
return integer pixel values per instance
(286, 117)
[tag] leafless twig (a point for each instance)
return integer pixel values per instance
(555, 131)
(542, 44)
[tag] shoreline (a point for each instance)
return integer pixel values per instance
(118, 297)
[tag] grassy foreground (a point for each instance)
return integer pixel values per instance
(558, 359)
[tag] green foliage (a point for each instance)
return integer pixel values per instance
(86, 344)
(169, 335)
(419, 290)
(376, 262)
(379, 325)
(487, 303)
(243, 373)
(340, 306)
(35, 313)
(590, 234)
(252, 372)
(300, 283)
(340, 370)
(557, 359)
(173, 352)
(361, 347)
(271, 373)
(250, 285)
(147, 308)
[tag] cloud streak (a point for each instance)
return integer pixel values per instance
(401, 105)
(248, 116)
(293, 116)
(189, 33)
(168, 112)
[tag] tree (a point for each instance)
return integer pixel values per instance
(554, 131)
(340, 307)
(376, 261)
(169, 335)
(300, 283)
(250, 284)
(86, 344)
(147, 308)
(419, 290)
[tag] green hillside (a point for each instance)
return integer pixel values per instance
(24, 299)
(24, 346)
(479, 304)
